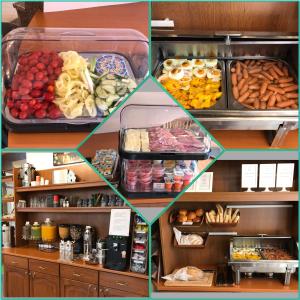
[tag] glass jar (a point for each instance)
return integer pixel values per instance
(26, 231)
(49, 231)
(36, 231)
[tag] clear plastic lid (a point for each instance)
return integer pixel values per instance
(127, 47)
(154, 129)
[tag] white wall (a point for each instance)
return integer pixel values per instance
(59, 6)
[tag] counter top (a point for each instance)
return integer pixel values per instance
(34, 253)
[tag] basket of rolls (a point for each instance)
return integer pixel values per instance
(222, 217)
(184, 217)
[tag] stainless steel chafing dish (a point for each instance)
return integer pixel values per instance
(228, 46)
(263, 265)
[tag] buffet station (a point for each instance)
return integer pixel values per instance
(73, 237)
(241, 236)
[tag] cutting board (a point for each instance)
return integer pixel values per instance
(207, 280)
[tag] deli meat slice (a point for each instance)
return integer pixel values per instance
(175, 140)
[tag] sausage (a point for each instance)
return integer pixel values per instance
(263, 105)
(256, 104)
(244, 89)
(278, 71)
(254, 87)
(273, 73)
(252, 80)
(254, 95)
(235, 92)
(234, 79)
(244, 97)
(266, 67)
(248, 106)
(239, 77)
(252, 63)
(291, 88)
(243, 65)
(280, 64)
(278, 98)
(276, 89)
(283, 85)
(254, 70)
(238, 68)
(245, 73)
(272, 101)
(285, 103)
(241, 83)
(292, 95)
(267, 75)
(232, 70)
(247, 62)
(294, 106)
(266, 96)
(249, 100)
(263, 88)
(285, 70)
(285, 80)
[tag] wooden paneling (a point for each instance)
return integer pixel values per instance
(15, 261)
(43, 267)
(76, 289)
(79, 274)
(44, 285)
(16, 282)
(229, 16)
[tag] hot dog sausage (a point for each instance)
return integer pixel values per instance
(272, 101)
(244, 97)
(234, 79)
(276, 89)
(292, 95)
(284, 104)
(291, 88)
(241, 83)
(263, 88)
(235, 92)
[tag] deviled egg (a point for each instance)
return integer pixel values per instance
(176, 73)
(198, 63)
(211, 63)
(169, 64)
(187, 65)
(200, 73)
(214, 74)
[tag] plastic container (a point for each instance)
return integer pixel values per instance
(129, 45)
(161, 133)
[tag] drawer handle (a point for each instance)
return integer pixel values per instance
(75, 274)
(14, 262)
(42, 268)
(121, 283)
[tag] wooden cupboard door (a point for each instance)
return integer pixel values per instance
(44, 285)
(16, 282)
(110, 292)
(74, 288)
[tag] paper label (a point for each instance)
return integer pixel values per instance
(157, 186)
(119, 222)
(267, 175)
(249, 175)
(285, 175)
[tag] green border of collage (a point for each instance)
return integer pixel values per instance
(140, 85)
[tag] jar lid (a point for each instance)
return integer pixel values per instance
(36, 223)
(27, 223)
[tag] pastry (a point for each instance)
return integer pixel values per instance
(183, 212)
(182, 218)
(199, 212)
(191, 215)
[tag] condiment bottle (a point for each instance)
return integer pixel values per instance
(36, 231)
(87, 243)
(62, 250)
(26, 231)
(55, 200)
(49, 231)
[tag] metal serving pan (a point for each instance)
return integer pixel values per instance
(221, 102)
(263, 265)
(236, 106)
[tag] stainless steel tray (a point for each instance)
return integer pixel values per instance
(221, 102)
(236, 106)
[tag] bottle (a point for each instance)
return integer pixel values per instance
(55, 200)
(87, 243)
(62, 250)
(36, 231)
(26, 231)
(69, 251)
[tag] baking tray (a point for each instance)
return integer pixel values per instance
(83, 123)
(236, 106)
(222, 102)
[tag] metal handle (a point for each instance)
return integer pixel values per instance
(14, 262)
(121, 283)
(42, 268)
(106, 290)
(75, 274)
(33, 274)
(27, 273)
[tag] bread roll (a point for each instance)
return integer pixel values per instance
(191, 215)
(182, 218)
(199, 212)
(197, 220)
(183, 212)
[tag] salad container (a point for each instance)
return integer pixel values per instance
(115, 61)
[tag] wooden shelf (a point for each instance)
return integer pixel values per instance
(68, 209)
(247, 285)
(68, 186)
(7, 178)
(34, 253)
(150, 202)
(239, 197)
(7, 199)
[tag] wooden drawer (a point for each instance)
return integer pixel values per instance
(80, 274)
(15, 261)
(124, 283)
(109, 292)
(43, 267)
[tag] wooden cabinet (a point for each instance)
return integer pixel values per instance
(16, 282)
(44, 285)
(110, 292)
(74, 288)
